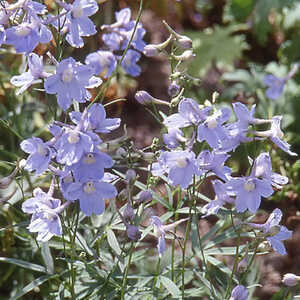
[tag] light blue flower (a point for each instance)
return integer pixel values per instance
(70, 82)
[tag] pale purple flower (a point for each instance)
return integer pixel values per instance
(222, 197)
(76, 21)
(275, 86)
(133, 232)
(129, 63)
(73, 144)
(239, 293)
(248, 191)
(290, 279)
(236, 134)
(26, 36)
(23, 37)
(173, 138)
(275, 234)
(91, 195)
(102, 62)
(160, 232)
(246, 116)
(262, 168)
(91, 166)
(35, 72)
(212, 130)
(275, 134)
(40, 155)
(45, 214)
(70, 82)
(188, 114)
(181, 166)
(116, 39)
(214, 162)
(95, 119)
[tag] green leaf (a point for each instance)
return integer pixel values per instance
(113, 242)
(238, 10)
(220, 265)
(170, 286)
(32, 285)
(216, 45)
(47, 257)
(23, 264)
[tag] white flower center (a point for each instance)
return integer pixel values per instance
(67, 75)
(73, 137)
(41, 150)
(211, 123)
(68, 179)
(249, 186)
(89, 188)
(182, 162)
(89, 159)
(49, 216)
(23, 30)
(77, 12)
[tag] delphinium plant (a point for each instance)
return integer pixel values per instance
(86, 206)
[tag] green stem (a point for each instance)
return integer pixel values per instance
(124, 282)
(236, 260)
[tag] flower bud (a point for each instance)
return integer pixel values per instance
(143, 97)
(173, 89)
(130, 176)
(6, 181)
(185, 42)
(144, 197)
(128, 213)
(150, 50)
(133, 232)
(121, 152)
(185, 56)
(290, 279)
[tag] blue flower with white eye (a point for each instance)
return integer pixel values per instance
(102, 61)
(73, 144)
(248, 191)
(24, 37)
(91, 195)
(181, 166)
(40, 155)
(275, 234)
(212, 130)
(70, 82)
(91, 166)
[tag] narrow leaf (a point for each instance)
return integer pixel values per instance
(170, 286)
(23, 264)
(113, 242)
